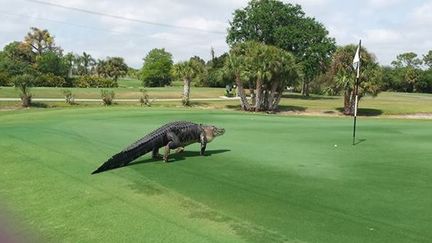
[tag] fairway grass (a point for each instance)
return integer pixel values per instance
(268, 179)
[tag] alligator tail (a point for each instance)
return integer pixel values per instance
(126, 156)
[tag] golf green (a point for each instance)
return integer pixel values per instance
(268, 179)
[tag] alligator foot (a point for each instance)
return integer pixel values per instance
(166, 154)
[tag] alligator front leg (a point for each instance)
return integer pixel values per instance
(167, 152)
(203, 141)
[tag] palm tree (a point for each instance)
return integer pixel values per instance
(268, 68)
(187, 71)
(23, 82)
(233, 67)
(69, 58)
(87, 61)
(344, 76)
(261, 70)
(101, 68)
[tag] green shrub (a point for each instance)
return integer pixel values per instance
(23, 82)
(144, 99)
(49, 80)
(69, 97)
(4, 79)
(107, 96)
(94, 82)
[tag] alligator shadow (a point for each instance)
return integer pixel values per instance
(302, 97)
(174, 157)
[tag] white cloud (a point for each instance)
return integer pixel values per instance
(423, 15)
(387, 27)
(383, 36)
(379, 4)
(202, 23)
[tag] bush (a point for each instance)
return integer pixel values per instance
(4, 79)
(145, 98)
(69, 97)
(107, 96)
(215, 78)
(156, 70)
(49, 80)
(94, 82)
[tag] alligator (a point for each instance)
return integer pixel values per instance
(174, 135)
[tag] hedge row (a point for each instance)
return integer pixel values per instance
(51, 80)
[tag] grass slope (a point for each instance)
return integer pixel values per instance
(268, 179)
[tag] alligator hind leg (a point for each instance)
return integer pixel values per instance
(180, 150)
(172, 144)
(168, 147)
(156, 154)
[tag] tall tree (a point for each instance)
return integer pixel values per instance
(285, 25)
(407, 65)
(215, 73)
(69, 60)
(40, 41)
(16, 59)
(427, 59)
(51, 62)
(187, 71)
(202, 75)
(344, 75)
(407, 59)
(156, 70)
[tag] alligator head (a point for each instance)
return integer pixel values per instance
(211, 132)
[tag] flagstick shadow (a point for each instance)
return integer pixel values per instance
(360, 141)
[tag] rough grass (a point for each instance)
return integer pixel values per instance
(130, 83)
(386, 103)
(121, 93)
(268, 179)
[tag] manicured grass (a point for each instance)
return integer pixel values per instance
(268, 179)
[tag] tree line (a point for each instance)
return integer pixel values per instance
(38, 57)
(272, 45)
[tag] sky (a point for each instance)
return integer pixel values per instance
(386, 27)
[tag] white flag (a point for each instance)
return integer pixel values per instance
(356, 61)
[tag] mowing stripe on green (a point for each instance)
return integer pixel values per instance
(268, 179)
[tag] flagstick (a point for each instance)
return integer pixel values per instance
(356, 85)
(355, 109)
